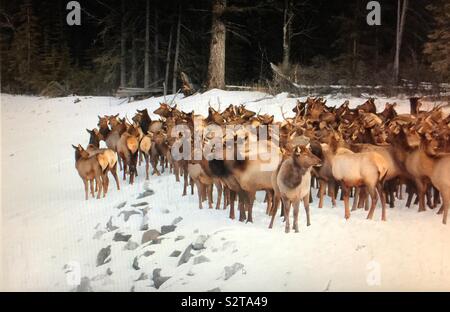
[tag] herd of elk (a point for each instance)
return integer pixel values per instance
(360, 152)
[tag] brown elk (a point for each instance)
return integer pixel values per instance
(292, 183)
(105, 156)
(89, 170)
(355, 170)
(127, 148)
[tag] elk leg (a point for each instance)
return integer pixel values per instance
(226, 196)
(86, 192)
(276, 201)
(383, 201)
(421, 187)
(345, 192)
(219, 194)
(209, 192)
(295, 207)
(374, 198)
(200, 194)
(232, 200)
(119, 160)
(445, 204)
(333, 190)
(306, 204)
(241, 204)
(185, 182)
(269, 202)
(147, 166)
(251, 200)
(105, 180)
(287, 206)
(355, 199)
(436, 197)
(99, 182)
(322, 184)
(91, 183)
(429, 199)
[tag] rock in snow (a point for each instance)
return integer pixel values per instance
(148, 253)
(146, 193)
(119, 237)
(158, 280)
(185, 256)
(127, 214)
(131, 245)
(217, 289)
(177, 220)
(121, 205)
(150, 235)
(103, 256)
(175, 253)
(201, 259)
(135, 264)
(167, 229)
(231, 270)
(110, 227)
(199, 242)
(85, 285)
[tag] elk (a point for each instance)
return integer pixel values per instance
(89, 170)
(292, 183)
(127, 148)
(355, 170)
(105, 156)
(110, 136)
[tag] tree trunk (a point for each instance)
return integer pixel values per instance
(156, 48)
(123, 48)
(287, 18)
(133, 79)
(401, 16)
(147, 46)
(177, 51)
(216, 64)
(169, 47)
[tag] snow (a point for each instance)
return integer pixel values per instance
(47, 225)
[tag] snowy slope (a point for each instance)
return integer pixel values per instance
(47, 226)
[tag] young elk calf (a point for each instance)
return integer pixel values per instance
(89, 170)
(292, 183)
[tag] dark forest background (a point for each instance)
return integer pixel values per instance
(329, 43)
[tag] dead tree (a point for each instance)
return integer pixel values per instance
(147, 46)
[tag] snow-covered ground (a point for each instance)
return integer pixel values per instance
(49, 231)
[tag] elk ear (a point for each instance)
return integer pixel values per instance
(116, 115)
(89, 131)
(74, 147)
(99, 118)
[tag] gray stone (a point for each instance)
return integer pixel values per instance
(201, 259)
(146, 193)
(121, 205)
(144, 227)
(142, 277)
(85, 285)
(167, 229)
(109, 271)
(140, 204)
(131, 245)
(135, 264)
(127, 214)
(148, 253)
(186, 255)
(104, 255)
(177, 220)
(199, 242)
(158, 280)
(179, 237)
(217, 289)
(175, 253)
(98, 234)
(231, 270)
(166, 211)
(110, 227)
(150, 235)
(156, 241)
(119, 237)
